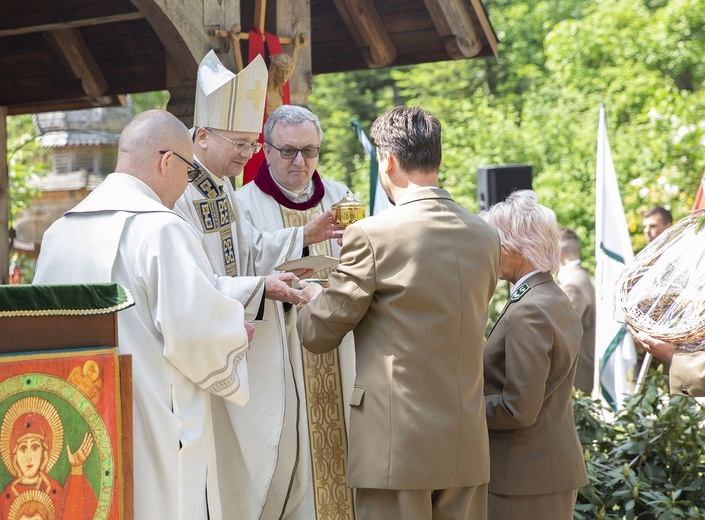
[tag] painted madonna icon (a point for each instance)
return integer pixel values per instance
(31, 441)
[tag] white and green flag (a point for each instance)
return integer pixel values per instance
(614, 348)
(378, 199)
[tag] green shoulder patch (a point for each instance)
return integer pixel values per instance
(519, 292)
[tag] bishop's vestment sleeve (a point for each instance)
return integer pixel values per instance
(261, 251)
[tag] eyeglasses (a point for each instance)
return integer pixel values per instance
(290, 153)
(194, 170)
(253, 148)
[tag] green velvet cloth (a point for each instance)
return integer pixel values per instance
(63, 299)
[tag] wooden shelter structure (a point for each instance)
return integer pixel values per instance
(74, 54)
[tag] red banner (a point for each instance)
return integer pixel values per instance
(257, 46)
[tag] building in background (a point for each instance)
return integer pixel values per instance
(83, 147)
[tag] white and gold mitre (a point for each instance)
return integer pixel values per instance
(228, 101)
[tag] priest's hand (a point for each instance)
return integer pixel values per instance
(660, 349)
(278, 287)
(302, 273)
(250, 329)
(321, 228)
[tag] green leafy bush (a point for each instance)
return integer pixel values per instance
(647, 461)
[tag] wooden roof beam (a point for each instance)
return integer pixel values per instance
(367, 29)
(73, 24)
(78, 56)
(454, 23)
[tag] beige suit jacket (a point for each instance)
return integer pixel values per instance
(575, 282)
(414, 284)
(530, 359)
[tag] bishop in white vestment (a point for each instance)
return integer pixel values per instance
(250, 444)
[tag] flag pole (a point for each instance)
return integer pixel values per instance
(642, 372)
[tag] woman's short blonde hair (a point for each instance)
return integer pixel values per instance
(526, 228)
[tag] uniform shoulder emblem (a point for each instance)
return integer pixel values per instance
(519, 292)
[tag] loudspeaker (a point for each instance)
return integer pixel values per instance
(496, 183)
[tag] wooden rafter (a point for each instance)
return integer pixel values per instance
(486, 25)
(79, 58)
(454, 23)
(73, 24)
(365, 25)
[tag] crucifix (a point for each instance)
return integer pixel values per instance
(235, 35)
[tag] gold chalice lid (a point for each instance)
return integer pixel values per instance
(347, 210)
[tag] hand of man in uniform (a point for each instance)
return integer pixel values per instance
(309, 290)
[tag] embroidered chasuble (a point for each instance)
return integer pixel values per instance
(326, 380)
(247, 438)
(216, 216)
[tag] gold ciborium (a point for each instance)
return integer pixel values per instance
(347, 210)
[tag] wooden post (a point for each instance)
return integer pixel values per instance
(294, 17)
(4, 203)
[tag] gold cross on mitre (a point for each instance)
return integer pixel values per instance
(256, 94)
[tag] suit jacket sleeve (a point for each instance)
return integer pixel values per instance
(529, 339)
(576, 297)
(325, 320)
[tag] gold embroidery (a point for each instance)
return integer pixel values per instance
(296, 218)
(216, 215)
(328, 437)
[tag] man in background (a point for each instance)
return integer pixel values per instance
(655, 221)
(288, 192)
(575, 282)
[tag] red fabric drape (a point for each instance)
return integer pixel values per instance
(257, 46)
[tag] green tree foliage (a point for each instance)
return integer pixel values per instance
(25, 159)
(148, 100)
(338, 98)
(538, 103)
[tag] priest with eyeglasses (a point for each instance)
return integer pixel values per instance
(287, 191)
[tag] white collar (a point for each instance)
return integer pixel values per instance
(295, 196)
(524, 278)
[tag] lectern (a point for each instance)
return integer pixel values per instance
(65, 403)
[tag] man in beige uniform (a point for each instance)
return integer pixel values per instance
(575, 282)
(414, 283)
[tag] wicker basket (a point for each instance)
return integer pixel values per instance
(662, 292)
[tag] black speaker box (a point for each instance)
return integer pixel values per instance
(496, 183)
